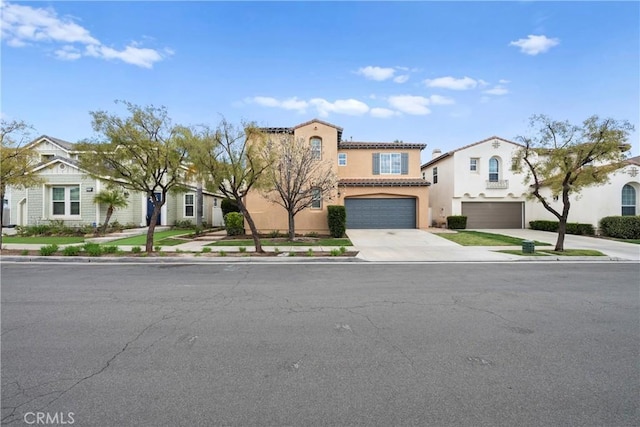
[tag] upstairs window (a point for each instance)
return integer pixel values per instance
(494, 170)
(435, 175)
(342, 159)
(473, 165)
(390, 163)
(316, 148)
(628, 200)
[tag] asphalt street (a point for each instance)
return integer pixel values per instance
(321, 344)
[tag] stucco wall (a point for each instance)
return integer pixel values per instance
(360, 163)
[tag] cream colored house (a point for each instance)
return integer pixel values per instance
(476, 181)
(379, 184)
(67, 195)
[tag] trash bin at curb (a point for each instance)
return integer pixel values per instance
(528, 247)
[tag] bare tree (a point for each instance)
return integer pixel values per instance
(299, 178)
(229, 160)
(565, 158)
(143, 152)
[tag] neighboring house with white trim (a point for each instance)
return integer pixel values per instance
(67, 194)
(476, 180)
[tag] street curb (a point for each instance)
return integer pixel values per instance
(175, 260)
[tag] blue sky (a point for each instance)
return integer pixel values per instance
(442, 73)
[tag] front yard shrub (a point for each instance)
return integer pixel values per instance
(136, 249)
(229, 205)
(309, 252)
(184, 224)
(334, 252)
(92, 249)
(312, 234)
(222, 253)
(206, 250)
(343, 249)
(111, 249)
(24, 252)
(242, 249)
(274, 234)
(48, 250)
(457, 222)
(234, 223)
(621, 227)
(572, 227)
(71, 251)
(544, 225)
(337, 219)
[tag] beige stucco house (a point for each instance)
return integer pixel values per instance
(379, 184)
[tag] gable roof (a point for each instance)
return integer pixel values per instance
(289, 130)
(633, 161)
(437, 159)
(57, 159)
(65, 145)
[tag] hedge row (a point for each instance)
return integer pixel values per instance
(621, 227)
(572, 227)
(457, 222)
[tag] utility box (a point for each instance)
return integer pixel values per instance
(528, 247)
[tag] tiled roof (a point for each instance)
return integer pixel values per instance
(447, 154)
(383, 182)
(380, 145)
(633, 161)
(318, 121)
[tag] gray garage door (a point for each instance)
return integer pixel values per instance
(493, 214)
(381, 213)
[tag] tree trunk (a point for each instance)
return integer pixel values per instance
(1, 215)
(106, 220)
(562, 229)
(252, 226)
(292, 227)
(152, 227)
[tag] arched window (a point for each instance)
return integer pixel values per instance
(494, 170)
(316, 148)
(628, 200)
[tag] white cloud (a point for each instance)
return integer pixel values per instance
(68, 53)
(503, 81)
(452, 83)
(534, 45)
(286, 104)
(401, 78)
(383, 113)
(376, 73)
(441, 100)
(496, 90)
(24, 25)
(410, 104)
(351, 107)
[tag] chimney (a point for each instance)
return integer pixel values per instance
(436, 153)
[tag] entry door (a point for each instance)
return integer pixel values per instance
(150, 209)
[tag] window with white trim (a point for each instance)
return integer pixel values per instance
(628, 200)
(65, 200)
(316, 202)
(316, 148)
(189, 205)
(390, 163)
(473, 165)
(342, 159)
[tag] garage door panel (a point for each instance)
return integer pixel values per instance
(493, 214)
(381, 213)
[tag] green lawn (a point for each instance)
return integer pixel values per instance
(478, 238)
(158, 238)
(44, 240)
(273, 242)
(566, 252)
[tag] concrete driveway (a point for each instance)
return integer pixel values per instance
(420, 245)
(416, 245)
